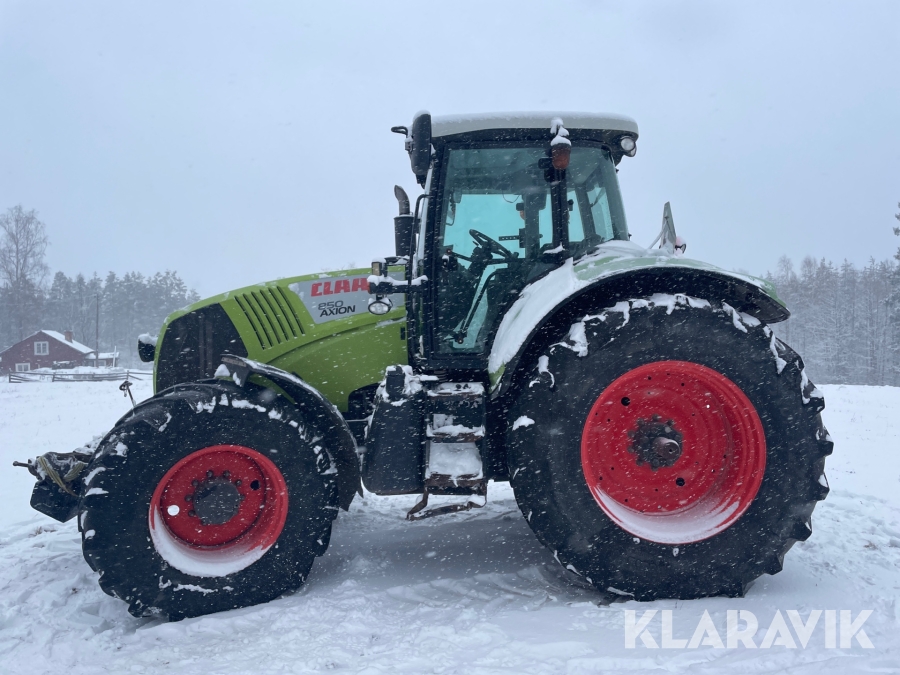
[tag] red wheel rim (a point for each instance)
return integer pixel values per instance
(673, 452)
(226, 499)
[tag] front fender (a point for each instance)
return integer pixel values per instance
(339, 441)
(616, 271)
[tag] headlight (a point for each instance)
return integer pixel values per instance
(380, 306)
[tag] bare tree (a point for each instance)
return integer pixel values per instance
(23, 245)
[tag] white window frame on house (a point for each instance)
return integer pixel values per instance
(23, 367)
(41, 348)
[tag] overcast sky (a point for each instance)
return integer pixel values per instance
(241, 142)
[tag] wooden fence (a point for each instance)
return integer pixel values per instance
(81, 377)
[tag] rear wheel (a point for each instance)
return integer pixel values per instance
(670, 448)
(209, 497)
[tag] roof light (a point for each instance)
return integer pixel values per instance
(560, 146)
(560, 154)
(629, 147)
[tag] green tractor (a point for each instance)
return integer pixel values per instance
(659, 438)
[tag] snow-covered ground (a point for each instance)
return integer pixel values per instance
(466, 593)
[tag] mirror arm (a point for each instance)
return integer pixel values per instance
(379, 286)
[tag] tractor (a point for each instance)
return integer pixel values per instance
(659, 437)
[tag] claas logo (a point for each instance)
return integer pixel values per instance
(340, 286)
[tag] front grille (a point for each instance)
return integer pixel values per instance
(193, 345)
(270, 313)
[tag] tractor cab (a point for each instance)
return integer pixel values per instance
(507, 199)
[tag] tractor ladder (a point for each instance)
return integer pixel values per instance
(454, 446)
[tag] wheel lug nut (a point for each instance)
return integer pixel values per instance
(226, 474)
(195, 482)
(189, 498)
(192, 514)
(238, 482)
(210, 474)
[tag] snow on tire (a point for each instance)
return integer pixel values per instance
(675, 448)
(207, 497)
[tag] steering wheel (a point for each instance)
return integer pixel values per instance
(490, 245)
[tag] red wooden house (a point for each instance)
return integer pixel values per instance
(44, 349)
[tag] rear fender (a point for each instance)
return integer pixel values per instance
(565, 295)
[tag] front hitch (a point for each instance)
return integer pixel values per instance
(59, 482)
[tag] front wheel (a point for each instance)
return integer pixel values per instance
(208, 497)
(668, 447)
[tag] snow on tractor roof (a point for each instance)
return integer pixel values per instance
(447, 125)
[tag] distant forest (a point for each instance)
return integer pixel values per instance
(845, 321)
(129, 305)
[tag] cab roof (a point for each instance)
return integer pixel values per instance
(449, 125)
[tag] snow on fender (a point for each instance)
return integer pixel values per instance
(542, 298)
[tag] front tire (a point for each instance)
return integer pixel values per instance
(208, 497)
(668, 447)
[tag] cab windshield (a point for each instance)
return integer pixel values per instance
(497, 230)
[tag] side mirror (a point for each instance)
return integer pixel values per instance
(419, 146)
(146, 347)
(403, 224)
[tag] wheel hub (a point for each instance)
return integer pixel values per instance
(216, 501)
(655, 442)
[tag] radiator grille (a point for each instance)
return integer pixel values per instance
(270, 313)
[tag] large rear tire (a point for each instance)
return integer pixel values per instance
(668, 447)
(209, 497)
